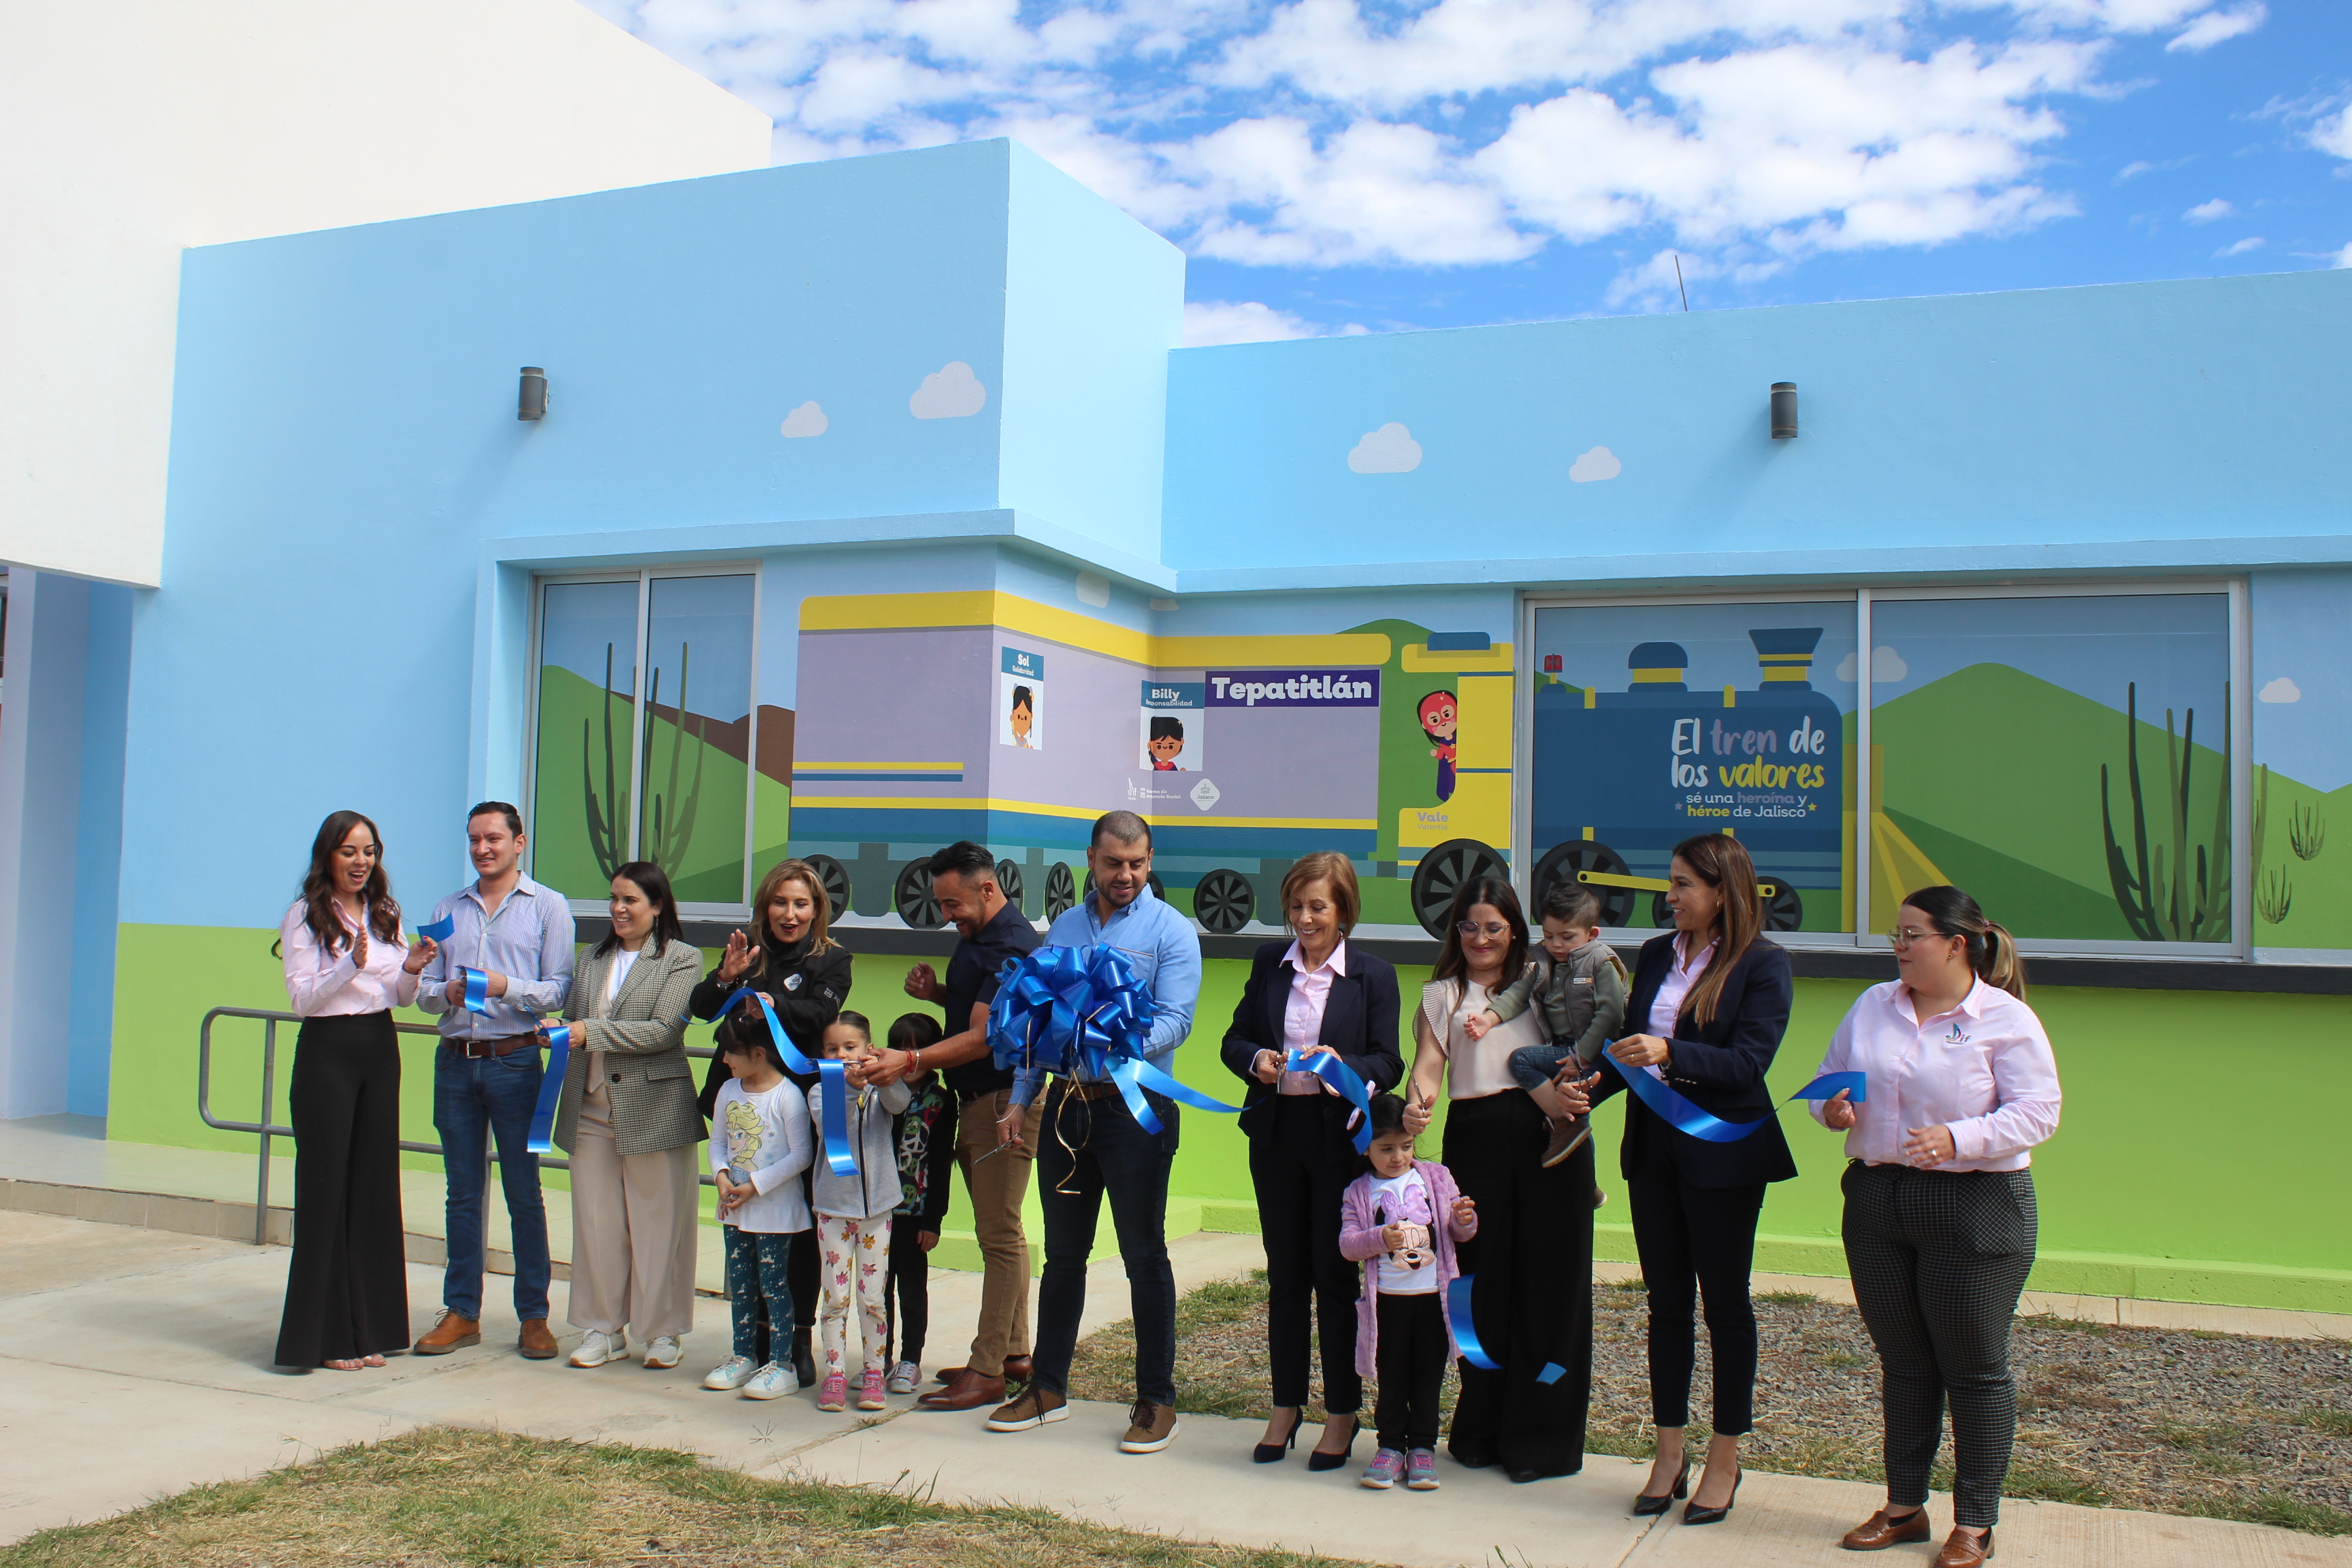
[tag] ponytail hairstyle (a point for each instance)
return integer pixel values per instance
(1991, 951)
(375, 894)
(1721, 862)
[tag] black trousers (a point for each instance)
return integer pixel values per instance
(1532, 1303)
(1299, 1182)
(1695, 1243)
(347, 1283)
(1937, 1259)
(1094, 1150)
(1411, 1359)
(909, 1290)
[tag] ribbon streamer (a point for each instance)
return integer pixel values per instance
(1344, 1079)
(441, 930)
(1552, 1373)
(550, 1090)
(1134, 1075)
(788, 1053)
(1466, 1333)
(477, 989)
(1680, 1113)
(834, 1092)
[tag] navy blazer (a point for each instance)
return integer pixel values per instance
(1719, 1068)
(1360, 1022)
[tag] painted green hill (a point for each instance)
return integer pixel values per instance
(2317, 891)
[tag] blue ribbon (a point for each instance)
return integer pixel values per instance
(1081, 1009)
(1134, 1075)
(550, 1090)
(1344, 1078)
(786, 1051)
(1679, 1112)
(834, 1092)
(441, 930)
(1466, 1333)
(1552, 1373)
(477, 989)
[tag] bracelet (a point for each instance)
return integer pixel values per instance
(915, 1061)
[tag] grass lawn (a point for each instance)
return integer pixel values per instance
(446, 1497)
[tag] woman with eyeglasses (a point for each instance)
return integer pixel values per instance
(1532, 1303)
(1939, 1214)
(1710, 1000)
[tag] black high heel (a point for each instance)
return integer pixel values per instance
(1694, 1514)
(1646, 1504)
(1320, 1460)
(1272, 1453)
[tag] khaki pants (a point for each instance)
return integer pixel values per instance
(997, 1187)
(633, 1232)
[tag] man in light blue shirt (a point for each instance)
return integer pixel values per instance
(517, 935)
(1092, 1147)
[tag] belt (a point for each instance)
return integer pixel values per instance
(506, 1045)
(1073, 1090)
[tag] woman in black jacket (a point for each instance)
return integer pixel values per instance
(1712, 1000)
(804, 975)
(1318, 995)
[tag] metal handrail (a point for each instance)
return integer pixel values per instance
(267, 1130)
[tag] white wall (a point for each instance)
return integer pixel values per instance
(137, 127)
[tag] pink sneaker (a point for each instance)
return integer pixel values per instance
(834, 1394)
(869, 1391)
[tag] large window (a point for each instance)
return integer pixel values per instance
(2066, 756)
(643, 733)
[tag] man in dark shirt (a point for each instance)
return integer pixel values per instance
(995, 1174)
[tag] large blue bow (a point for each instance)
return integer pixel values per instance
(1072, 1009)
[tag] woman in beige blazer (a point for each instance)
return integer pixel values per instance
(629, 1121)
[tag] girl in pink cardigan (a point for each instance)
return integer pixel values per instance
(1402, 1220)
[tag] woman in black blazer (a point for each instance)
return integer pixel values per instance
(1711, 1001)
(1316, 994)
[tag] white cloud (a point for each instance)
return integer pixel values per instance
(808, 419)
(2208, 212)
(2251, 242)
(1599, 463)
(2343, 257)
(2281, 690)
(2333, 133)
(1887, 666)
(1390, 450)
(951, 391)
(1210, 321)
(2217, 27)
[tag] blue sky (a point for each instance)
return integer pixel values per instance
(1338, 165)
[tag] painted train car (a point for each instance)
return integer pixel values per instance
(1766, 765)
(927, 718)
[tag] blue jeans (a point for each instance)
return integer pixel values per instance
(1532, 1067)
(475, 1099)
(1090, 1149)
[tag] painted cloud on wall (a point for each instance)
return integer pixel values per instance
(1390, 450)
(951, 391)
(1599, 463)
(808, 419)
(1886, 667)
(2282, 690)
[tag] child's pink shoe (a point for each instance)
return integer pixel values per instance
(869, 1391)
(834, 1394)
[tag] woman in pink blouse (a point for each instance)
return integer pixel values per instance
(346, 969)
(1939, 1214)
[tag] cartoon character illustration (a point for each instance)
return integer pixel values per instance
(1024, 713)
(1438, 719)
(1413, 1222)
(1166, 744)
(742, 1136)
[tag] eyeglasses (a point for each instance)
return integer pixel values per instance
(1907, 935)
(1492, 928)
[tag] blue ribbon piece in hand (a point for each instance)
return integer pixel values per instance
(477, 989)
(1661, 1097)
(786, 1051)
(834, 1092)
(550, 1090)
(441, 930)
(1343, 1079)
(1466, 1333)
(1073, 1009)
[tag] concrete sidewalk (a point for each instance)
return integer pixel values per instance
(152, 1349)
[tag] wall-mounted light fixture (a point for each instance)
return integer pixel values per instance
(1784, 410)
(533, 404)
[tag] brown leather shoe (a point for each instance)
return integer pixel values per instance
(448, 1332)
(1962, 1551)
(537, 1343)
(969, 1390)
(1150, 1428)
(1879, 1531)
(1019, 1369)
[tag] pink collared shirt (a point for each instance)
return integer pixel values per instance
(1302, 1015)
(324, 984)
(1681, 976)
(1984, 1069)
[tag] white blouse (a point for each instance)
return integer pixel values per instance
(1474, 1069)
(1984, 1069)
(330, 985)
(1667, 1006)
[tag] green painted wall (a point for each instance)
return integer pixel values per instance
(2172, 1175)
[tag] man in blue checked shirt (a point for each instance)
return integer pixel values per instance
(1091, 1147)
(517, 935)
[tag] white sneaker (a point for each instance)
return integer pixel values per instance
(597, 1347)
(771, 1381)
(732, 1374)
(905, 1377)
(664, 1352)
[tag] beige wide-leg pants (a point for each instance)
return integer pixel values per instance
(633, 1232)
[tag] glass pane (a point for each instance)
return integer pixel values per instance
(1653, 722)
(697, 735)
(587, 691)
(2067, 761)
